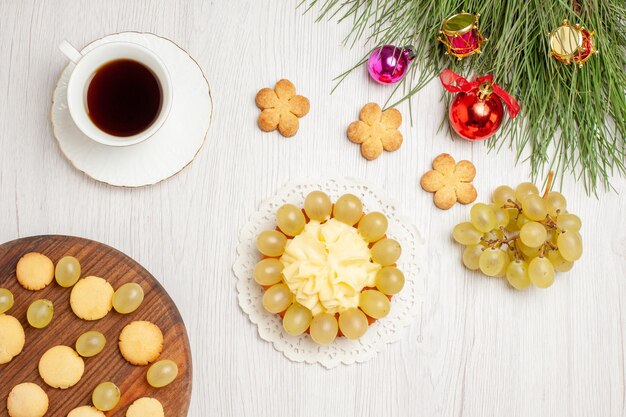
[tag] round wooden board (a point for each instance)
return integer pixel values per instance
(103, 261)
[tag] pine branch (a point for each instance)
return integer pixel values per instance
(573, 120)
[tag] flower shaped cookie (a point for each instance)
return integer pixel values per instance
(281, 108)
(376, 130)
(451, 182)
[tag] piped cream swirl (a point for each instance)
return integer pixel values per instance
(327, 266)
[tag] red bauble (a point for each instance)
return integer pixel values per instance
(475, 115)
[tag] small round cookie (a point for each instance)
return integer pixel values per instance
(12, 338)
(85, 411)
(145, 407)
(91, 298)
(61, 367)
(141, 342)
(27, 400)
(34, 271)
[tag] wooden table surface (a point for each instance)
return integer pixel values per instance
(479, 348)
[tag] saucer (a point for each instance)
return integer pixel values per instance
(159, 157)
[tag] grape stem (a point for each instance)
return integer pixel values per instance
(512, 204)
(548, 184)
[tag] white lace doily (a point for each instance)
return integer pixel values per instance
(405, 306)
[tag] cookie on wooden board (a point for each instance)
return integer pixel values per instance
(34, 271)
(91, 298)
(141, 342)
(27, 400)
(144, 407)
(12, 338)
(61, 367)
(85, 411)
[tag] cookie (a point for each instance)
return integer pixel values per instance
(85, 411)
(450, 181)
(141, 342)
(34, 271)
(376, 130)
(281, 108)
(27, 400)
(145, 407)
(91, 298)
(12, 338)
(61, 367)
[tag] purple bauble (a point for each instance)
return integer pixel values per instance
(388, 64)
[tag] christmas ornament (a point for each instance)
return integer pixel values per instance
(388, 64)
(572, 44)
(461, 36)
(476, 112)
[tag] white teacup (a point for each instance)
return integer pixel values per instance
(86, 66)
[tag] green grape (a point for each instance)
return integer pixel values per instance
(471, 255)
(290, 220)
(522, 220)
(527, 251)
(271, 243)
(491, 262)
(6, 300)
(277, 298)
(534, 207)
(353, 323)
(482, 217)
(533, 234)
(386, 252)
(374, 303)
(466, 234)
(510, 251)
(317, 206)
(568, 222)
(162, 373)
(297, 319)
(348, 209)
(503, 194)
(517, 275)
(541, 272)
(560, 264)
(90, 343)
(39, 313)
(502, 272)
(513, 217)
(524, 189)
(268, 271)
(323, 328)
(556, 203)
(373, 226)
(128, 298)
(502, 216)
(67, 271)
(493, 234)
(389, 280)
(106, 396)
(570, 245)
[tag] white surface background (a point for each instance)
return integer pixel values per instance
(480, 349)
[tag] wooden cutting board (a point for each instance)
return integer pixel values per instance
(103, 261)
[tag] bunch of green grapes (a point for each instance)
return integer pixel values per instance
(522, 236)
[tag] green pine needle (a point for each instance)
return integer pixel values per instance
(573, 119)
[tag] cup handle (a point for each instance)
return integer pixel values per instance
(70, 52)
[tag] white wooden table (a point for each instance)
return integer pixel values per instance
(479, 349)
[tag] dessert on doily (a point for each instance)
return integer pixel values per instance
(328, 269)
